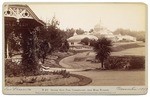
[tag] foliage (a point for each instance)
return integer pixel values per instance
(70, 32)
(34, 44)
(44, 49)
(55, 36)
(25, 42)
(30, 48)
(80, 31)
(92, 42)
(116, 62)
(140, 35)
(137, 63)
(12, 68)
(13, 40)
(85, 40)
(65, 46)
(103, 49)
(64, 73)
(88, 41)
(125, 62)
(91, 30)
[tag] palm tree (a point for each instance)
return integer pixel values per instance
(103, 49)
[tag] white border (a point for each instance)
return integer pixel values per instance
(2, 1)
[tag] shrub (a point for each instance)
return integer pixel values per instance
(12, 68)
(125, 62)
(115, 62)
(64, 73)
(43, 79)
(65, 46)
(137, 63)
(85, 40)
(32, 80)
(28, 79)
(45, 73)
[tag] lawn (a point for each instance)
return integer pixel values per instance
(126, 45)
(114, 78)
(139, 51)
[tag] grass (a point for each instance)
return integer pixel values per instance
(82, 80)
(139, 51)
(60, 56)
(115, 78)
(120, 47)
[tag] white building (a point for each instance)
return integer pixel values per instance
(101, 31)
(98, 32)
(125, 38)
(75, 41)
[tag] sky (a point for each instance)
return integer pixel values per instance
(86, 15)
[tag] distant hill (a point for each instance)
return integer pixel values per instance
(140, 35)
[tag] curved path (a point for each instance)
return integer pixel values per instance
(100, 78)
(80, 61)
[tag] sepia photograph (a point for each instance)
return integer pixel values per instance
(75, 48)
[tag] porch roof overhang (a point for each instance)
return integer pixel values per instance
(14, 13)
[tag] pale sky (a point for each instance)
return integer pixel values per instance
(87, 15)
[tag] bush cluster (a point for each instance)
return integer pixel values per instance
(12, 68)
(64, 73)
(125, 62)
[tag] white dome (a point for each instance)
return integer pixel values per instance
(97, 28)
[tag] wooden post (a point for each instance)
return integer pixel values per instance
(7, 51)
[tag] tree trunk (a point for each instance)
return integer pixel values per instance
(102, 62)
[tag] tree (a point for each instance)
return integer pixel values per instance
(44, 49)
(53, 35)
(85, 40)
(91, 30)
(65, 46)
(80, 31)
(30, 47)
(103, 49)
(70, 32)
(14, 42)
(92, 42)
